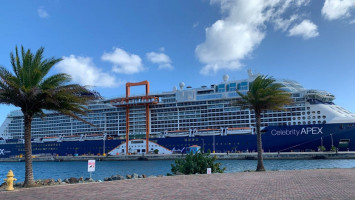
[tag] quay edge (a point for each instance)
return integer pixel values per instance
(220, 156)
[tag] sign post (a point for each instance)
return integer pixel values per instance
(208, 170)
(91, 166)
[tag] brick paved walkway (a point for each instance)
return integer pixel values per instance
(307, 184)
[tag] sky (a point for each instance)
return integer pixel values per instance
(105, 44)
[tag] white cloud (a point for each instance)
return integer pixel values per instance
(305, 29)
(335, 9)
(243, 27)
(161, 59)
(84, 71)
(123, 62)
(284, 24)
(42, 13)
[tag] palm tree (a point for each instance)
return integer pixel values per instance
(32, 89)
(264, 94)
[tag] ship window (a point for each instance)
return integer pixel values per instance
(314, 122)
(308, 113)
(324, 122)
(308, 108)
(323, 116)
(318, 117)
(319, 122)
(318, 112)
(221, 88)
(232, 87)
(243, 86)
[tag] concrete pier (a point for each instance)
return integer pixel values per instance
(220, 156)
(305, 184)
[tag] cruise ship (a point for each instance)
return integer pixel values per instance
(171, 122)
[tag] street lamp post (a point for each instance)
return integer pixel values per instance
(203, 145)
(214, 144)
(104, 144)
(331, 136)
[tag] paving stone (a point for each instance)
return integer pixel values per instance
(306, 184)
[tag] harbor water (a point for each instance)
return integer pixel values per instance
(62, 170)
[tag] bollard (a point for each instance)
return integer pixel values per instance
(10, 181)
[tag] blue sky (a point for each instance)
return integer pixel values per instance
(107, 43)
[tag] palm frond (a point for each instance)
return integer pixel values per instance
(31, 90)
(264, 94)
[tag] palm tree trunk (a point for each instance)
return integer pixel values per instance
(29, 181)
(260, 166)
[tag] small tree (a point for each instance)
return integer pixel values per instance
(156, 151)
(321, 148)
(333, 149)
(196, 163)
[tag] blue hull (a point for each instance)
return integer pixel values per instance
(274, 138)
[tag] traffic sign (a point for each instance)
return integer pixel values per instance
(91, 165)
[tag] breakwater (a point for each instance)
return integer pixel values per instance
(220, 156)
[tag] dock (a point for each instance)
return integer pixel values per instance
(220, 156)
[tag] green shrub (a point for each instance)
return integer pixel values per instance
(321, 148)
(196, 163)
(333, 149)
(156, 151)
